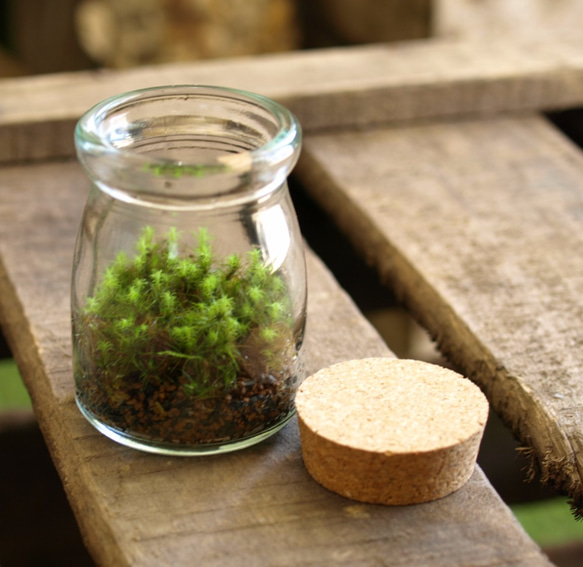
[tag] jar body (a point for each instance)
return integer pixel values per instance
(189, 287)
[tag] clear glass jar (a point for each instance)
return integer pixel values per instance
(189, 284)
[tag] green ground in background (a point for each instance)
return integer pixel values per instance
(13, 394)
(548, 522)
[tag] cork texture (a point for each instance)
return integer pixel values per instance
(390, 431)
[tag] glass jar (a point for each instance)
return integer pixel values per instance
(189, 284)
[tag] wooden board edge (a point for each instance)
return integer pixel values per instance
(49, 417)
(352, 87)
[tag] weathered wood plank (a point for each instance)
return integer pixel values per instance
(356, 86)
(479, 226)
(258, 506)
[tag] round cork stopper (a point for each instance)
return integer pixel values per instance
(390, 431)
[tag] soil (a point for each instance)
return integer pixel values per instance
(163, 412)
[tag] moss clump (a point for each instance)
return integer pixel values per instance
(186, 348)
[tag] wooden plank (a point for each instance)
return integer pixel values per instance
(356, 86)
(478, 226)
(259, 504)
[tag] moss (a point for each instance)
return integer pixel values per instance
(190, 319)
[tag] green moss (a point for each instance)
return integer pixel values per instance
(178, 170)
(187, 318)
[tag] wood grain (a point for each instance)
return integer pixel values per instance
(478, 225)
(332, 88)
(257, 506)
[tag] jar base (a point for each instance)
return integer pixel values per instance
(179, 450)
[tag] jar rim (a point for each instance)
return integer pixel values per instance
(276, 155)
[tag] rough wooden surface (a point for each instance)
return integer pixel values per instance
(478, 225)
(258, 506)
(357, 86)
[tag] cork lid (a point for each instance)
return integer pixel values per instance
(391, 431)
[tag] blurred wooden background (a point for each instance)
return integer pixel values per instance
(46, 36)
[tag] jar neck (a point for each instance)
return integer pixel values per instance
(188, 146)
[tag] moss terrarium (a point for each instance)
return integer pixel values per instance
(189, 289)
(187, 349)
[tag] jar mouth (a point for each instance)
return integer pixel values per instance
(188, 142)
